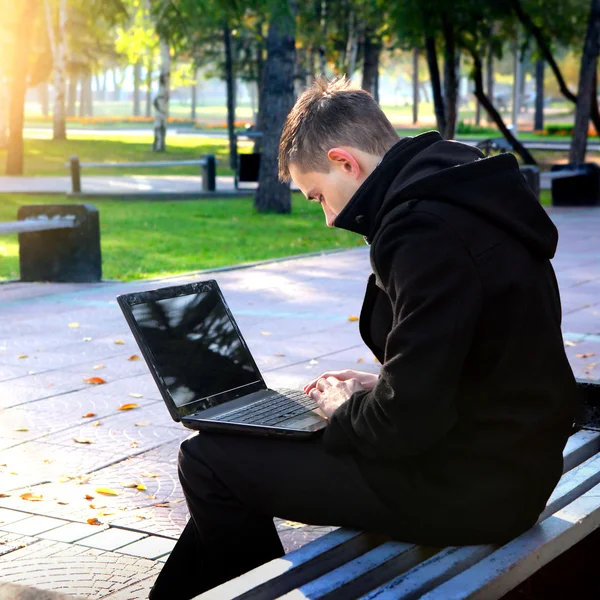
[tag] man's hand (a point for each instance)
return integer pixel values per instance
(329, 393)
(367, 380)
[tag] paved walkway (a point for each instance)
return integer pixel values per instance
(63, 441)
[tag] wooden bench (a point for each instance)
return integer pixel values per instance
(346, 564)
(208, 164)
(59, 243)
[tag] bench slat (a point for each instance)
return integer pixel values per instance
(361, 574)
(452, 560)
(580, 446)
(509, 566)
(281, 575)
(29, 226)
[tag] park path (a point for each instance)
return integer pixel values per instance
(62, 439)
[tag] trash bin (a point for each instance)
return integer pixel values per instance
(576, 185)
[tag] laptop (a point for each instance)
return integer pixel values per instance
(204, 369)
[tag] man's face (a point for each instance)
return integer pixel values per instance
(333, 190)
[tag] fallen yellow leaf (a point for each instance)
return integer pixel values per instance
(352, 318)
(134, 395)
(32, 497)
(149, 475)
(81, 440)
(94, 380)
(163, 505)
(142, 424)
(119, 342)
(141, 487)
(22, 429)
(3, 495)
(22, 356)
(88, 497)
(128, 406)
(279, 354)
(134, 357)
(96, 423)
(61, 502)
(360, 360)
(293, 524)
(586, 355)
(88, 415)
(106, 491)
(87, 339)
(98, 367)
(73, 325)
(265, 333)
(134, 444)
(130, 485)
(93, 521)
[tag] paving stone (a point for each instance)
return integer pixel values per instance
(10, 516)
(111, 539)
(11, 542)
(33, 525)
(72, 532)
(36, 462)
(75, 569)
(150, 547)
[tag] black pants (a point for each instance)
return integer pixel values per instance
(235, 485)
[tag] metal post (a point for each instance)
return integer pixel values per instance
(75, 175)
(209, 173)
(516, 87)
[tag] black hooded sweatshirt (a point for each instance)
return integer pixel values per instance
(463, 434)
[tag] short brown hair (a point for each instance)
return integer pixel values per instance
(328, 114)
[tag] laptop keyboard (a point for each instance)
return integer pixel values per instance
(271, 410)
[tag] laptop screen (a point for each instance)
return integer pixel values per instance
(196, 347)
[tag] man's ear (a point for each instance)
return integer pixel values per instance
(342, 157)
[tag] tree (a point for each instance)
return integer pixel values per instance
(58, 41)
(273, 195)
(23, 74)
(587, 85)
(161, 102)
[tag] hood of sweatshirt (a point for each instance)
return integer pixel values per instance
(429, 167)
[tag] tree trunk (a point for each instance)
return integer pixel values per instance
(372, 47)
(14, 157)
(436, 86)
(415, 83)
(544, 47)
(352, 44)
(104, 85)
(58, 45)
(82, 97)
(3, 117)
(116, 84)
(517, 67)
(587, 87)
(450, 79)
(539, 95)
(194, 94)
(72, 96)
(89, 96)
(490, 74)
(137, 79)
(322, 51)
(149, 71)
(230, 85)
(494, 115)
(161, 102)
(273, 195)
(44, 96)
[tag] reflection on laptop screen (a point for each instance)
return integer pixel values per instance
(196, 347)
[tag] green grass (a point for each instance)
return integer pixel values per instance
(156, 239)
(47, 157)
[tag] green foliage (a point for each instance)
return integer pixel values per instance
(157, 239)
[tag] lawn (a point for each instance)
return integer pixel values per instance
(44, 157)
(157, 239)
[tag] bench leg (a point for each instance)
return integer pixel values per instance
(62, 255)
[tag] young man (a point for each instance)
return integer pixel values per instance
(459, 439)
